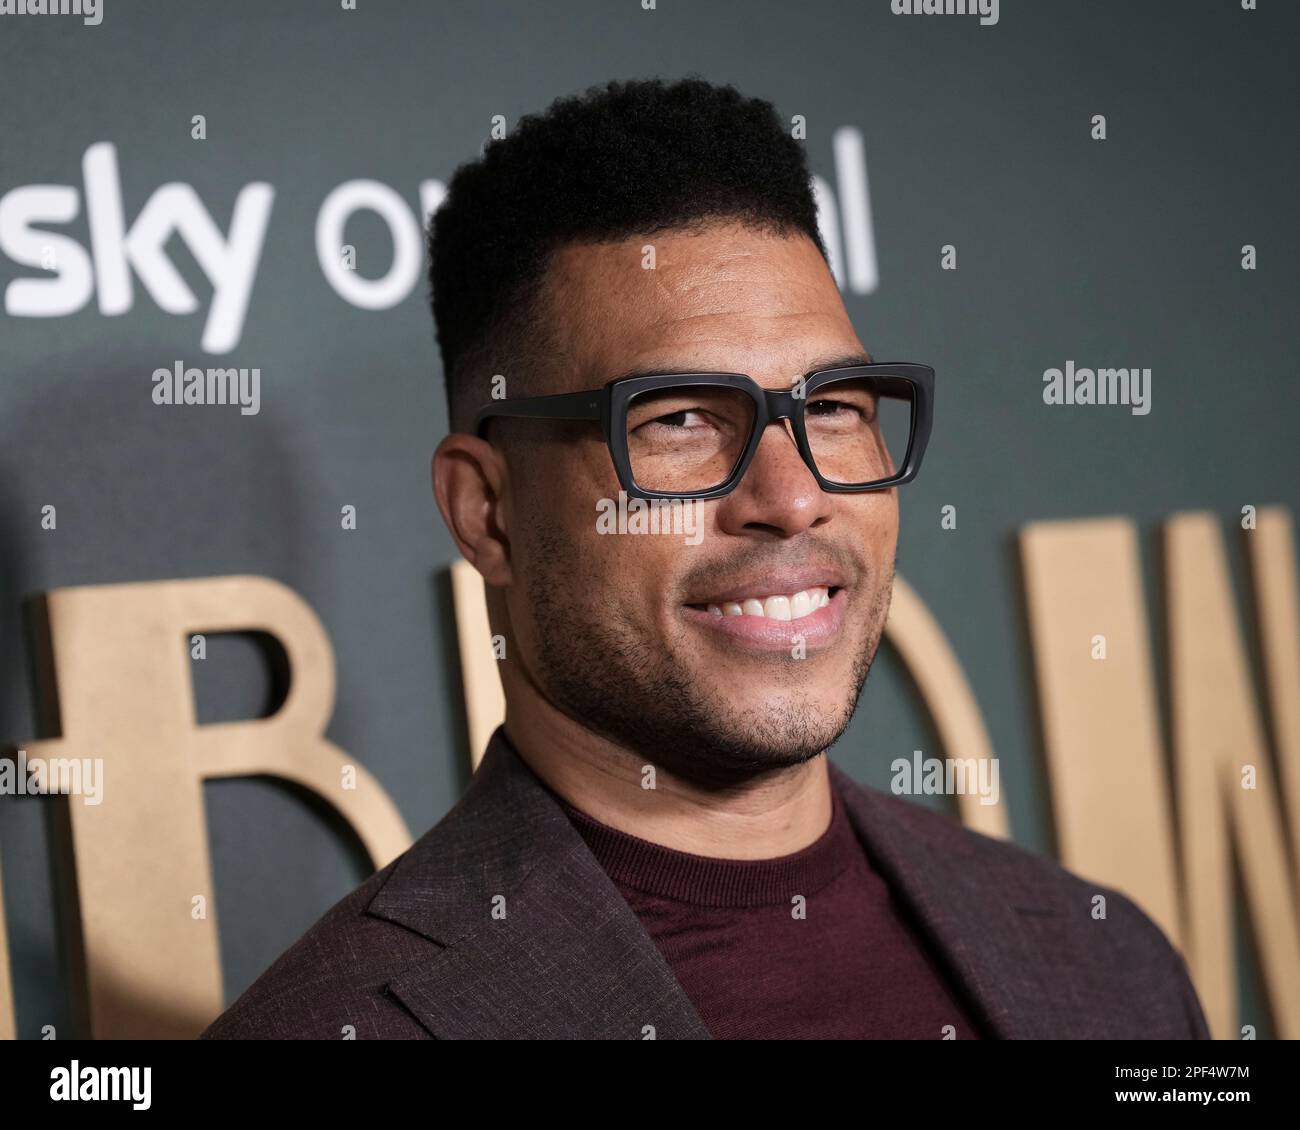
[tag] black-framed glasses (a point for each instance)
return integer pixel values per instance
(692, 435)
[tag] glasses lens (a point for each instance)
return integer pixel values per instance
(688, 437)
(859, 428)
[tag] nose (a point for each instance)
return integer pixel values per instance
(778, 495)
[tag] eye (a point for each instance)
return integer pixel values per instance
(684, 421)
(677, 415)
(846, 410)
(683, 418)
(843, 403)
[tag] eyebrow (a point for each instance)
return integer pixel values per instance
(837, 361)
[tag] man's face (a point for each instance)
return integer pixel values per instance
(615, 629)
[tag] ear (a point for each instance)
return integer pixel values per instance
(469, 483)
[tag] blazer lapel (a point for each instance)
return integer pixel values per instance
(986, 918)
(536, 942)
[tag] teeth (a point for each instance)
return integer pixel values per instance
(779, 606)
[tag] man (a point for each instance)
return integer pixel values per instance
(635, 310)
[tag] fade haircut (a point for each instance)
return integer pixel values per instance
(620, 160)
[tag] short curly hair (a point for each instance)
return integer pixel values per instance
(620, 160)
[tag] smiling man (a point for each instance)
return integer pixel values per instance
(633, 301)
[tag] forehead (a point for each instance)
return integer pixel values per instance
(724, 297)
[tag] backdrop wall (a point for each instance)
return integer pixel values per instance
(926, 131)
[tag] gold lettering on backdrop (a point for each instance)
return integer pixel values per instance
(121, 667)
(1277, 615)
(1227, 794)
(485, 702)
(935, 668)
(1111, 803)
(8, 1028)
(1106, 757)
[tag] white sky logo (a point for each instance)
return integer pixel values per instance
(229, 262)
(101, 1084)
(853, 253)
(120, 253)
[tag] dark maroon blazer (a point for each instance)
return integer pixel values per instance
(423, 949)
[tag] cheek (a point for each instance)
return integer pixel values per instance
(876, 529)
(621, 575)
(879, 524)
(638, 571)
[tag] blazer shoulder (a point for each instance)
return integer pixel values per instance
(331, 983)
(1081, 924)
(999, 860)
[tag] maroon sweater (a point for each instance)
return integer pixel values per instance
(853, 967)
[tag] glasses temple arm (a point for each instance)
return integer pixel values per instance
(562, 406)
